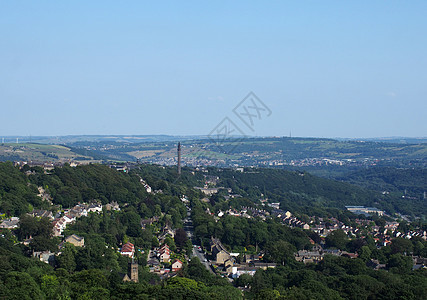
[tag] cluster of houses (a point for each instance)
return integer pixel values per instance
(47, 166)
(70, 215)
(10, 223)
(317, 254)
(382, 235)
(146, 186)
(292, 221)
(127, 249)
(316, 162)
(209, 191)
(59, 223)
(227, 264)
(362, 210)
(49, 257)
(245, 212)
(160, 258)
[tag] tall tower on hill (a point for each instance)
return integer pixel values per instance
(179, 158)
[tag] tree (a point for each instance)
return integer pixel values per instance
(401, 245)
(49, 286)
(337, 238)
(169, 241)
(22, 286)
(88, 280)
(280, 252)
(365, 253)
(67, 258)
(244, 280)
(39, 229)
(268, 294)
(399, 264)
(28, 226)
(180, 237)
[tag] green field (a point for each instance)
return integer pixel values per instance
(38, 152)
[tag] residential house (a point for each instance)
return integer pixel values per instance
(41, 213)
(348, 254)
(95, 207)
(164, 253)
(248, 258)
(62, 222)
(308, 256)
(149, 221)
(177, 265)
(11, 223)
(220, 254)
(128, 249)
(112, 206)
(79, 210)
(238, 270)
(211, 191)
(167, 231)
(154, 265)
(68, 218)
(75, 240)
(375, 264)
(249, 269)
(45, 256)
(264, 266)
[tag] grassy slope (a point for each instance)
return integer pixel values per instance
(36, 152)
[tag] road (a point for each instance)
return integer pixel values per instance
(188, 227)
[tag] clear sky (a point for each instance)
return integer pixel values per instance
(323, 68)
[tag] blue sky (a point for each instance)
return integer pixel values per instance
(323, 68)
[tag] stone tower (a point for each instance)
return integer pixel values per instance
(133, 266)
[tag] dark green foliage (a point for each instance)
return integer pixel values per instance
(337, 278)
(195, 270)
(15, 194)
(238, 233)
(408, 182)
(399, 264)
(92, 272)
(413, 180)
(299, 192)
(89, 183)
(19, 285)
(401, 245)
(280, 252)
(337, 239)
(67, 258)
(180, 238)
(39, 229)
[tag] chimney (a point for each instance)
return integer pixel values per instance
(179, 158)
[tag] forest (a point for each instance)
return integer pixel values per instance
(94, 271)
(303, 192)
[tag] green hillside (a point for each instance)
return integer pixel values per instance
(38, 153)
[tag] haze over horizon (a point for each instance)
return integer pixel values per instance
(324, 69)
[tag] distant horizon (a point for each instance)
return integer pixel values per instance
(205, 136)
